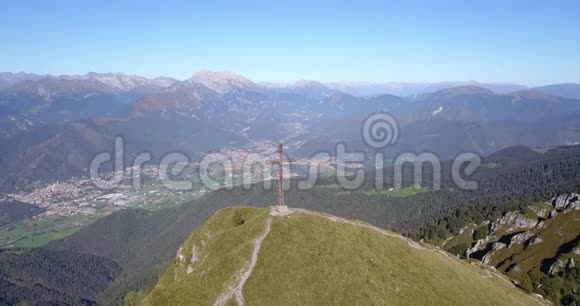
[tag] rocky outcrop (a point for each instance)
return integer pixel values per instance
(516, 228)
(560, 265)
(566, 202)
(513, 220)
(192, 261)
(514, 268)
(539, 211)
(507, 219)
(524, 222)
(478, 246)
(498, 246)
(520, 238)
(487, 258)
(535, 240)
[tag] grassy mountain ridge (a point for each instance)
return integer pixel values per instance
(567, 90)
(142, 242)
(313, 259)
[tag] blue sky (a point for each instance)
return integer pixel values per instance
(530, 42)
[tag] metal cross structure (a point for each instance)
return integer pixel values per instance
(280, 162)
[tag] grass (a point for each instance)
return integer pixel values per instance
(542, 150)
(32, 233)
(466, 237)
(491, 165)
(329, 186)
(310, 260)
(224, 247)
(500, 255)
(399, 193)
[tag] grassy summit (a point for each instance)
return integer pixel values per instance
(306, 258)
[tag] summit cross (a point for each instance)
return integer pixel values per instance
(280, 163)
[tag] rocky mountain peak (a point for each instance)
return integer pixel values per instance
(221, 81)
(117, 80)
(309, 84)
(122, 81)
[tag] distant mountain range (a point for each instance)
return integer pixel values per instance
(221, 80)
(120, 81)
(569, 90)
(409, 89)
(51, 125)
